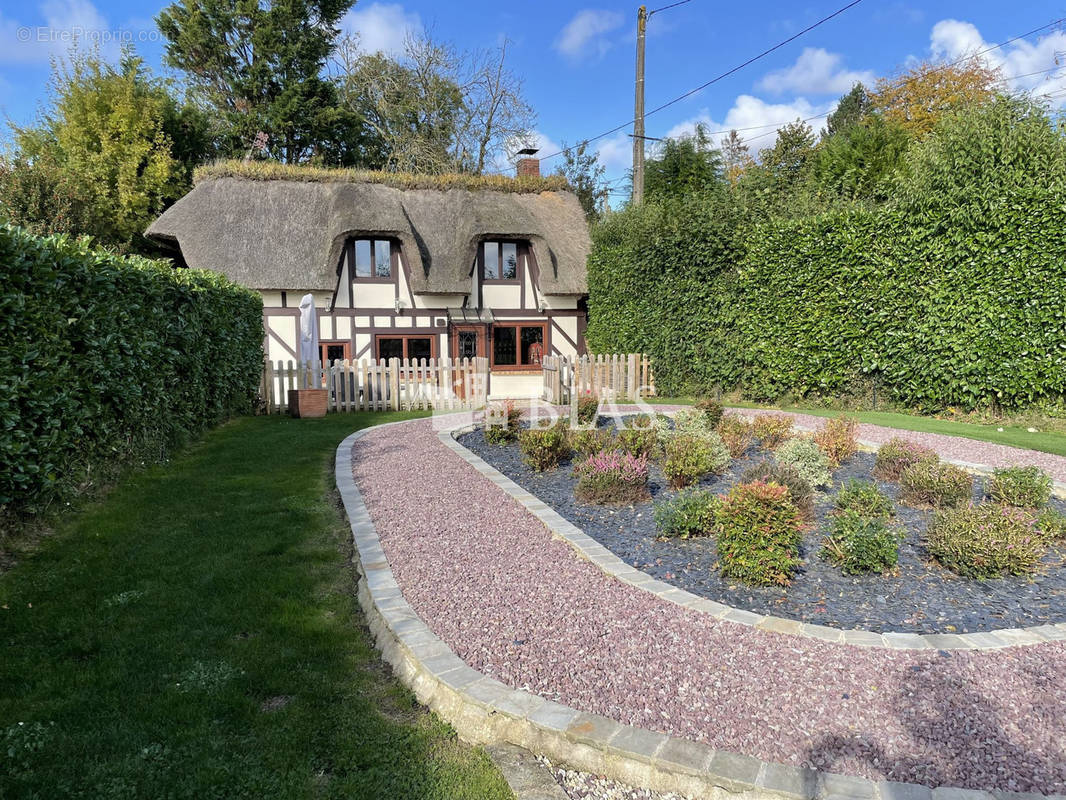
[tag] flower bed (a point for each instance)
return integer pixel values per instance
(917, 594)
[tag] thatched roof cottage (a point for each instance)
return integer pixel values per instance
(400, 266)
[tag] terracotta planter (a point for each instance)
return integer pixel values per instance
(308, 402)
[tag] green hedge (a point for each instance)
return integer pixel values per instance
(105, 360)
(954, 294)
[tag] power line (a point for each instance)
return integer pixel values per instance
(672, 5)
(703, 86)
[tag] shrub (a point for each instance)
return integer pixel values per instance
(799, 491)
(612, 476)
(759, 533)
(712, 409)
(808, 459)
(932, 484)
(896, 455)
(687, 457)
(689, 513)
(1051, 524)
(772, 430)
(1029, 487)
(864, 499)
(638, 441)
(987, 540)
(643, 421)
(588, 408)
(587, 441)
(737, 434)
(859, 543)
(545, 448)
(691, 420)
(837, 438)
(108, 361)
(502, 422)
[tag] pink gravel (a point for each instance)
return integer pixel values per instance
(514, 603)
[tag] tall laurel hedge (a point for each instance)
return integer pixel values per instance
(105, 359)
(952, 294)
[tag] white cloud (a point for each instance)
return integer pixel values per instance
(381, 27)
(756, 120)
(60, 25)
(585, 36)
(952, 39)
(816, 71)
(616, 153)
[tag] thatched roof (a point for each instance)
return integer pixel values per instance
(288, 234)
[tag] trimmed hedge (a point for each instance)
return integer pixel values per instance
(949, 295)
(106, 360)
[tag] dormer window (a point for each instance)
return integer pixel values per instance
(372, 258)
(499, 261)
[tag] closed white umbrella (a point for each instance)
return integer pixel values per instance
(309, 352)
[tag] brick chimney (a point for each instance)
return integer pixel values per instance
(528, 166)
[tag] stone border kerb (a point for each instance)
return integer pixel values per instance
(484, 710)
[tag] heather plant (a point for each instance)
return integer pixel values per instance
(838, 440)
(759, 532)
(737, 434)
(545, 448)
(865, 499)
(691, 420)
(588, 409)
(688, 513)
(638, 441)
(587, 441)
(986, 540)
(772, 430)
(612, 476)
(1027, 487)
(502, 422)
(712, 409)
(687, 457)
(859, 544)
(1051, 524)
(808, 459)
(799, 490)
(896, 455)
(933, 484)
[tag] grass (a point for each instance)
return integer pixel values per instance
(1012, 435)
(195, 635)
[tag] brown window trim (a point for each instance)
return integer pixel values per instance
(520, 248)
(323, 344)
(394, 258)
(433, 341)
(530, 368)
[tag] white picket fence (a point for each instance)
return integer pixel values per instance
(386, 385)
(612, 377)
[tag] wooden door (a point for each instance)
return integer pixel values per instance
(467, 341)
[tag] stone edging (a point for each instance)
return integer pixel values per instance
(485, 711)
(591, 550)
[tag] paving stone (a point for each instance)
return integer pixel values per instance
(951, 793)
(592, 729)
(460, 678)
(948, 641)
(518, 703)
(780, 625)
(1019, 636)
(845, 787)
(905, 641)
(789, 781)
(487, 691)
(738, 771)
(554, 716)
(686, 754)
(863, 639)
(822, 632)
(1053, 633)
(891, 790)
(743, 617)
(445, 662)
(630, 740)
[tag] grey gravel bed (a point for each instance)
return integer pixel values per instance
(919, 597)
(519, 605)
(585, 786)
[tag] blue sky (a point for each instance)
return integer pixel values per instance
(577, 59)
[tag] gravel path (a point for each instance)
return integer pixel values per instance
(519, 605)
(585, 786)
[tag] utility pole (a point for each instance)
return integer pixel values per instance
(638, 111)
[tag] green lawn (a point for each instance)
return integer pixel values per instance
(1012, 435)
(195, 635)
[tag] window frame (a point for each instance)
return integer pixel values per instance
(517, 325)
(394, 258)
(433, 343)
(521, 251)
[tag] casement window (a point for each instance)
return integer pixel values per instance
(518, 345)
(499, 261)
(411, 347)
(372, 259)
